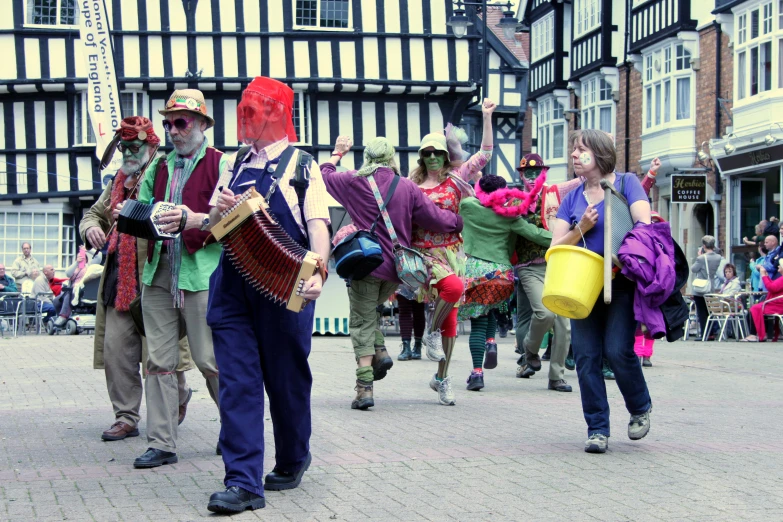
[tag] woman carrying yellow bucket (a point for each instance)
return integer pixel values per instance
(574, 281)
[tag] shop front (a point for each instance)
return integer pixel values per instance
(753, 180)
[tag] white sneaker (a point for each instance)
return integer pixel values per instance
(434, 347)
(434, 382)
(446, 393)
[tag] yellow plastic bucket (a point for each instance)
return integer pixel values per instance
(573, 281)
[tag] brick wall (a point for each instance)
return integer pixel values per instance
(527, 132)
(634, 131)
(706, 105)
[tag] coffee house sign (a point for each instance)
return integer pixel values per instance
(689, 189)
(754, 158)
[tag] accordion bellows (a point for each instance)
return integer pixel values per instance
(143, 221)
(263, 252)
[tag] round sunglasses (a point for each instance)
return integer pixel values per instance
(180, 123)
(133, 148)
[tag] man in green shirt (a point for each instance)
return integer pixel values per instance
(176, 274)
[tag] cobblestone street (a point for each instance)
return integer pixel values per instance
(510, 452)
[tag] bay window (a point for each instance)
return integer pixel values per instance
(552, 133)
(754, 46)
(597, 105)
(542, 37)
(588, 15)
(668, 79)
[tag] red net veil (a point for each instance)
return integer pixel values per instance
(265, 112)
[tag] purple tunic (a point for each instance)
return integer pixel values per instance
(408, 206)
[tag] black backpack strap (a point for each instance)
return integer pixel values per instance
(301, 181)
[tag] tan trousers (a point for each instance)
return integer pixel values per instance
(122, 353)
(161, 323)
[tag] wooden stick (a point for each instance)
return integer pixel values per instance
(607, 245)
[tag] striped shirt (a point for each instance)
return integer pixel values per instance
(315, 205)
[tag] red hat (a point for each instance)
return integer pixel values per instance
(137, 128)
(271, 90)
(531, 161)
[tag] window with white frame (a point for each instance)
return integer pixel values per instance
(52, 12)
(542, 37)
(668, 86)
(755, 40)
(588, 15)
(301, 117)
(50, 234)
(552, 133)
(597, 105)
(133, 103)
(333, 14)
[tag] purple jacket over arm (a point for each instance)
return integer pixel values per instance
(407, 207)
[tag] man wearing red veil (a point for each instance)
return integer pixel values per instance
(258, 343)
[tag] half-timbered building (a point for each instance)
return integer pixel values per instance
(364, 68)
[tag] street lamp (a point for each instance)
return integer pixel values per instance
(459, 24)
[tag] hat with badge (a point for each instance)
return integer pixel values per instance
(189, 100)
(531, 161)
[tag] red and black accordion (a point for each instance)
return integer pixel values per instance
(263, 252)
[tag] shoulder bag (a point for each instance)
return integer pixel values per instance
(410, 265)
(703, 286)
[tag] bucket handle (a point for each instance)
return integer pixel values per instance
(575, 225)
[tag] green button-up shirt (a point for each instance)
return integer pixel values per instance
(195, 269)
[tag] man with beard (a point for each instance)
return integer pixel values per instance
(119, 347)
(259, 344)
(176, 275)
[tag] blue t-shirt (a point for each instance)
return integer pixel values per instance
(574, 205)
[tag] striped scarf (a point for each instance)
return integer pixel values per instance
(183, 168)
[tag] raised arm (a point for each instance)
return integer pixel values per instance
(471, 169)
(341, 148)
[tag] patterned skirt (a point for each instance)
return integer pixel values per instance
(488, 286)
(441, 262)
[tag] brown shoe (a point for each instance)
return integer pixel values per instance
(381, 363)
(183, 408)
(363, 398)
(119, 430)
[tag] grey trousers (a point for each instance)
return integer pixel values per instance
(161, 323)
(122, 353)
(531, 279)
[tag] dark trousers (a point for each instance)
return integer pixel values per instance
(609, 332)
(259, 345)
(701, 311)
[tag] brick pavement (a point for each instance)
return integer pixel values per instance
(510, 452)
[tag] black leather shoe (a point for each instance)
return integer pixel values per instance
(234, 500)
(279, 480)
(547, 354)
(559, 385)
(218, 451)
(153, 458)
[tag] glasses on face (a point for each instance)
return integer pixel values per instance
(180, 123)
(433, 154)
(134, 149)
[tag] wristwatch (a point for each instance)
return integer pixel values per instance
(204, 223)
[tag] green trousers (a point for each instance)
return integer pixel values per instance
(365, 296)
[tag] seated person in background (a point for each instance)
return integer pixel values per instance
(46, 283)
(27, 286)
(7, 283)
(757, 311)
(732, 285)
(75, 273)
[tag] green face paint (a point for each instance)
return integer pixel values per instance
(132, 149)
(434, 160)
(531, 174)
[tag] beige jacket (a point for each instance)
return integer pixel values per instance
(98, 216)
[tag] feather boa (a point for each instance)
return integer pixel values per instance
(127, 280)
(512, 202)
